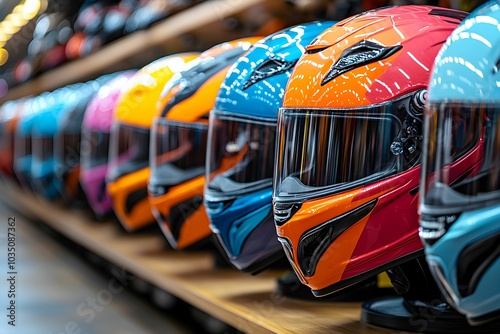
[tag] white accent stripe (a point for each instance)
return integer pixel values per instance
(416, 61)
(404, 73)
(384, 84)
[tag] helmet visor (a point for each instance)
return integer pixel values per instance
(95, 148)
(67, 151)
(460, 170)
(129, 150)
(241, 155)
(22, 147)
(178, 151)
(328, 151)
(43, 148)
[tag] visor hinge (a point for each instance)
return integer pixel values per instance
(407, 142)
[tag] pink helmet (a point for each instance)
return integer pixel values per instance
(95, 144)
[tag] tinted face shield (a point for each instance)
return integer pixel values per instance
(67, 152)
(95, 148)
(241, 156)
(22, 158)
(43, 167)
(461, 172)
(129, 150)
(322, 152)
(178, 153)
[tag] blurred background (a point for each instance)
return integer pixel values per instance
(39, 35)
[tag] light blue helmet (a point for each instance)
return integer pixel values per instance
(43, 132)
(460, 188)
(22, 141)
(240, 156)
(42, 143)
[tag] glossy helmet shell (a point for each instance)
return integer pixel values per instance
(187, 100)
(337, 238)
(98, 117)
(22, 140)
(42, 163)
(136, 108)
(68, 141)
(464, 254)
(254, 90)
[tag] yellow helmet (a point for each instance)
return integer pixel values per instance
(128, 170)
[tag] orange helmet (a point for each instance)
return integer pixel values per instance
(349, 137)
(180, 142)
(128, 171)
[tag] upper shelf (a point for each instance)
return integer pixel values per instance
(189, 20)
(245, 302)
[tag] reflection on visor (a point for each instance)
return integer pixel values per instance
(129, 151)
(67, 153)
(95, 148)
(453, 131)
(43, 148)
(241, 155)
(22, 147)
(179, 151)
(322, 151)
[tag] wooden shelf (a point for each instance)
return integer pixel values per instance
(189, 20)
(245, 302)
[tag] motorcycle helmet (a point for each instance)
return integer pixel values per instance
(22, 141)
(460, 201)
(96, 129)
(348, 147)
(240, 159)
(42, 142)
(43, 133)
(179, 144)
(128, 169)
(67, 143)
(149, 12)
(9, 117)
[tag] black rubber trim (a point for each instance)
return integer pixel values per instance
(134, 198)
(314, 242)
(474, 260)
(180, 212)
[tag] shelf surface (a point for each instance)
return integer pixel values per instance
(188, 20)
(245, 302)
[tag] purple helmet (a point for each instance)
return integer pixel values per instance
(95, 144)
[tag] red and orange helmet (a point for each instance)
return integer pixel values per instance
(180, 142)
(349, 145)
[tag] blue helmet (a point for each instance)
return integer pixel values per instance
(22, 140)
(42, 143)
(240, 155)
(43, 131)
(460, 188)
